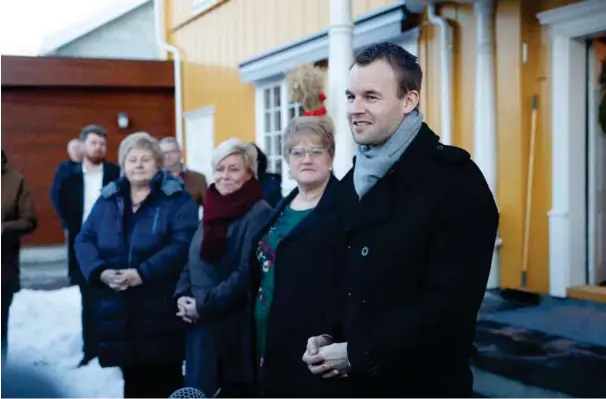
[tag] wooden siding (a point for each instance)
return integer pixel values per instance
(80, 72)
(39, 120)
(511, 134)
(215, 42)
(212, 78)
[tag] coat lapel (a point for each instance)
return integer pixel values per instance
(329, 196)
(310, 222)
(79, 190)
(378, 204)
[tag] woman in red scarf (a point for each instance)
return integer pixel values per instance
(213, 293)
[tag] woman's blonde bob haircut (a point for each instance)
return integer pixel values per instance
(302, 125)
(236, 146)
(141, 141)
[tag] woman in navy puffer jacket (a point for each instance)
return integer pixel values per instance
(132, 249)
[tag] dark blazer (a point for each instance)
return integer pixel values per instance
(419, 250)
(139, 326)
(71, 207)
(219, 344)
(272, 188)
(64, 169)
(307, 272)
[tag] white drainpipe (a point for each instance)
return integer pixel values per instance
(164, 48)
(485, 126)
(445, 73)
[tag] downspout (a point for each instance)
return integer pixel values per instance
(164, 48)
(445, 72)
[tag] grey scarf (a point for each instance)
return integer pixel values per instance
(372, 163)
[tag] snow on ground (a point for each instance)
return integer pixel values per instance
(45, 332)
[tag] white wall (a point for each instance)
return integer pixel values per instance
(131, 36)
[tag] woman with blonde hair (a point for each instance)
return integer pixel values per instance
(131, 250)
(296, 267)
(213, 293)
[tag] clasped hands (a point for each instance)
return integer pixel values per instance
(325, 358)
(188, 311)
(120, 280)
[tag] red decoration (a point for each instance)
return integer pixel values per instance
(317, 112)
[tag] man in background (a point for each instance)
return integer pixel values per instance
(195, 183)
(18, 218)
(78, 191)
(74, 151)
(271, 183)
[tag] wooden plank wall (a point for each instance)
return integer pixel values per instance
(39, 118)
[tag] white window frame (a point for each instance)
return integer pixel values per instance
(275, 157)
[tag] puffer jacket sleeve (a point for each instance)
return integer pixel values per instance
(87, 251)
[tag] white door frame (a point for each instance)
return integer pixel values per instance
(569, 26)
(592, 155)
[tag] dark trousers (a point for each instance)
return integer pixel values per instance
(7, 299)
(144, 381)
(89, 324)
(87, 298)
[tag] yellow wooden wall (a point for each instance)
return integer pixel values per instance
(516, 83)
(215, 42)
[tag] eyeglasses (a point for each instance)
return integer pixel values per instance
(313, 152)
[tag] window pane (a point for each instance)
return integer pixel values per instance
(266, 95)
(299, 110)
(277, 96)
(291, 113)
(268, 145)
(267, 124)
(278, 167)
(277, 121)
(278, 142)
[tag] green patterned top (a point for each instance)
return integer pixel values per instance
(266, 254)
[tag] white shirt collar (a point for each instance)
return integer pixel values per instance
(85, 170)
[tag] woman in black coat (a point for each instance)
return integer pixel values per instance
(296, 265)
(213, 292)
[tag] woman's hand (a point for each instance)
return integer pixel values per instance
(132, 277)
(187, 309)
(114, 279)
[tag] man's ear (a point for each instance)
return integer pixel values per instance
(410, 101)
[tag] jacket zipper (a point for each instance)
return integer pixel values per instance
(132, 244)
(156, 216)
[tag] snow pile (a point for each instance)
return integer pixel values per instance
(45, 331)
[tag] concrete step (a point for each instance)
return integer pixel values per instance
(44, 276)
(43, 254)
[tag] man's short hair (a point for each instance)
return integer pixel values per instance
(92, 129)
(405, 65)
(170, 140)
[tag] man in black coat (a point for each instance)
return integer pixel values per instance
(78, 190)
(65, 168)
(421, 224)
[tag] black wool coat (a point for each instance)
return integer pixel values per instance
(419, 247)
(307, 271)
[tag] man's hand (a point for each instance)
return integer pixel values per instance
(331, 361)
(187, 309)
(114, 279)
(325, 358)
(315, 343)
(132, 277)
